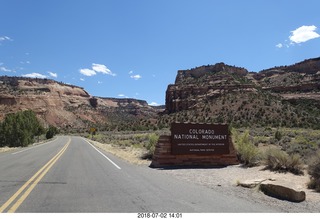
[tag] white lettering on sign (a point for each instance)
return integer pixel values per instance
(183, 136)
(197, 137)
(214, 137)
(201, 131)
(188, 138)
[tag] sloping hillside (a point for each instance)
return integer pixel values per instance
(66, 106)
(280, 96)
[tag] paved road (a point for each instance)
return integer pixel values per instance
(70, 175)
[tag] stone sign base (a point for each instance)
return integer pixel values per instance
(163, 157)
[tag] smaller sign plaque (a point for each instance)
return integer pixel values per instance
(204, 139)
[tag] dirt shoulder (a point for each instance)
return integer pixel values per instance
(130, 154)
(228, 178)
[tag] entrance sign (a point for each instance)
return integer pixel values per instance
(190, 144)
(202, 139)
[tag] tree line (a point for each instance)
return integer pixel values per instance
(20, 129)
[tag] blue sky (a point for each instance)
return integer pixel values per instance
(133, 48)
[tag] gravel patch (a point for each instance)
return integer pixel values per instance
(226, 180)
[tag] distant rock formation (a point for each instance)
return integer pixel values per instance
(220, 93)
(66, 106)
(224, 91)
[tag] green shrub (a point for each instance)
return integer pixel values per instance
(248, 154)
(278, 135)
(278, 160)
(52, 131)
(153, 139)
(19, 129)
(314, 171)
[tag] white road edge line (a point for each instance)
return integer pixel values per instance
(104, 156)
(40, 145)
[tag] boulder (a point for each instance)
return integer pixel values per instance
(282, 192)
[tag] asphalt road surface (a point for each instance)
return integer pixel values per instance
(68, 174)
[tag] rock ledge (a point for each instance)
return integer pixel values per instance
(274, 190)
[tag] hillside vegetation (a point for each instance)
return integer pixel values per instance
(286, 96)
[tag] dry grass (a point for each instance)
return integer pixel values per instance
(129, 154)
(5, 149)
(278, 160)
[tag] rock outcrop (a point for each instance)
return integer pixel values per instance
(294, 82)
(275, 190)
(225, 93)
(283, 193)
(66, 106)
(205, 83)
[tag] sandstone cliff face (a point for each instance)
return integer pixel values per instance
(204, 84)
(64, 106)
(226, 93)
(301, 80)
(48, 99)
(198, 72)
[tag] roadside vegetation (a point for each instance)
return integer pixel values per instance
(293, 150)
(282, 150)
(247, 153)
(140, 140)
(51, 132)
(278, 160)
(22, 129)
(314, 172)
(269, 149)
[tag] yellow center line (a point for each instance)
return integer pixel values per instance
(40, 174)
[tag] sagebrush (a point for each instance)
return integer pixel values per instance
(278, 160)
(248, 154)
(314, 172)
(152, 142)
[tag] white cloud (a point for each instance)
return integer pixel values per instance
(303, 34)
(52, 74)
(130, 72)
(136, 77)
(5, 38)
(300, 35)
(102, 69)
(122, 95)
(5, 69)
(81, 79)
(35, 75)
(87, 72)
(96, 68)
(154, 104)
